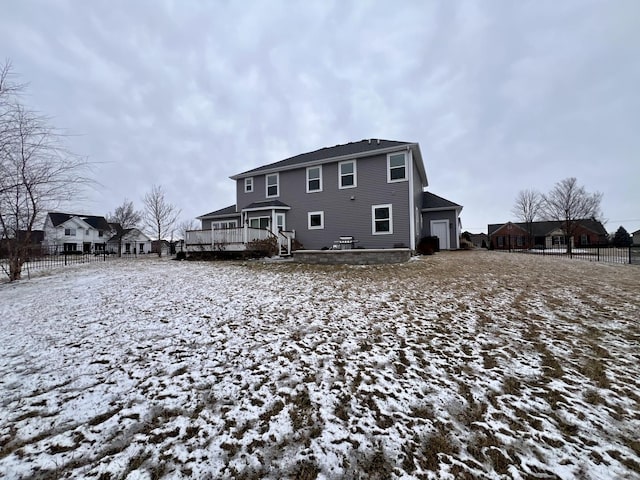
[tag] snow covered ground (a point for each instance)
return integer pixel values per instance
(459, 365)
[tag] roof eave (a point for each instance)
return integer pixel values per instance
(369, 153)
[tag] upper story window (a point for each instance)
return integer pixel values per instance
(381, 219)
(273, 188)
(100, 233)
(70, 232)
(314, 179)
(397, 167)
(248, 185)
(86, 232)
(347, 175)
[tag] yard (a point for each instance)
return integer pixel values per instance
(459, 365)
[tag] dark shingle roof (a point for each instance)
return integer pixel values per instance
(223, 212)
(267, 204)
(99, 223)
(352, 148)
(543, 228)
(429, 200)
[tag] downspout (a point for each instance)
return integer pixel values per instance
(412, 218)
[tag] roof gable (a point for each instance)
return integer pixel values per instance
(431, 201)
(94, 221)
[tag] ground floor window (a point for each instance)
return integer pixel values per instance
(70, 247)
(315, 220)
(558, 240)
(221, 225)
(259, 222)
(127, 248)
(99, 247)
(381, 219)
(500, 241)
(141, 250)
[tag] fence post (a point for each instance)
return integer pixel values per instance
(629, 251)
(598, 252)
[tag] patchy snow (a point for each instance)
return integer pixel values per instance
(458, 365)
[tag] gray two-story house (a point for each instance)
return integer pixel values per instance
(371, 191)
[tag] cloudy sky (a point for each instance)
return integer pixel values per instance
(501, 95)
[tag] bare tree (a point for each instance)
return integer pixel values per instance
(185, 226)
(527, 208)
(159, 215)
(126, 216)
(568, 202)
(37, 173)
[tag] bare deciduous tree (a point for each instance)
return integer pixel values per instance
(527, 208)
(127, 217)
(159, 215)
(37, 172)
(185, 226)
(568, 202)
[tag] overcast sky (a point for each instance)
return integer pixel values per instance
(500, 95)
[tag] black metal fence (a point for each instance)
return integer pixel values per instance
(600, 253)
(39, 258)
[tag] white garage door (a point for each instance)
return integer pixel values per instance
(440, 229)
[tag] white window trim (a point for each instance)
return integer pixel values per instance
(406, 167)
(260, 218)
(319, 167)
(373, 219)
(266, 185)
(248, 185)
(319, 227)
(355, 174)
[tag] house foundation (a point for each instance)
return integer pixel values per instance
(353, 257)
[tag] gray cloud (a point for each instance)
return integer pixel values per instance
(501, 95)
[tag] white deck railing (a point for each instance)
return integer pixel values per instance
(210, 239)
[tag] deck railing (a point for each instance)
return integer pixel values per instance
(218, 238)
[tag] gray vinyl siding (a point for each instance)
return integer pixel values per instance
(450, 215)
(342, 215)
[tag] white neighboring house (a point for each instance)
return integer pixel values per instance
(636, 237)
(131, 241)
(76, 233)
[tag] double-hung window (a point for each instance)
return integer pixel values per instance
(314, 179)
(70, 232)
(397, 167)
(273, 188)
(347, 174)
(381, 219)
(315, 220)
(248, 185)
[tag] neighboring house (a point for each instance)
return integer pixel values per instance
(636, 237)
(479, 240)
(36, 237)
(164, 246)
(129, 241)
(76, 233)
(548, 234)
(372, 191)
